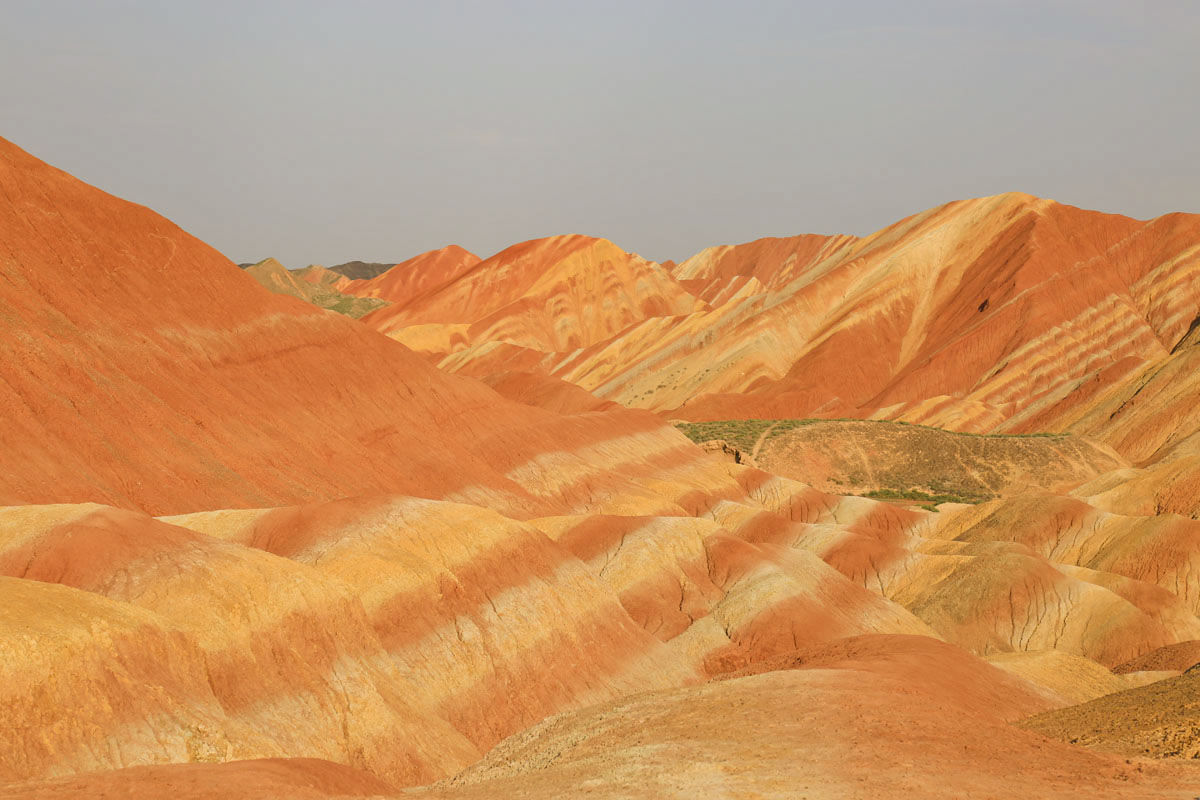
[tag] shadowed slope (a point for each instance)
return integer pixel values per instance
(1157, 720)
(361, 270)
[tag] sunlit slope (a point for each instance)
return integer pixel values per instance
(409, 280)
(143, 369)
(919, 717)
(545, 295)
(1153, 419)
(874, 716)
(980, 311)
(405, 636)
(396, 635)
(981, 314)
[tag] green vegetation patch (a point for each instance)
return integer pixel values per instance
(352, 306)
(929, 500)
(897, 482)
(744, 433)
(741, 433)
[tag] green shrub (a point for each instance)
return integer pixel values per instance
(924, 497)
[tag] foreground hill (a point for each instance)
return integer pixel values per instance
(867, 717)
(406, 637)
(920, 719)
(1156, 720)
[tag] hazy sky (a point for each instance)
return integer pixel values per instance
(330, 131)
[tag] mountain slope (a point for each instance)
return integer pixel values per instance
(989, 314)
(409, 280)
(546, 295)
(977, 313)
(143, 369)
(916, 718)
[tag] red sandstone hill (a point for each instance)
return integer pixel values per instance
(143, 369)
(541, 296)
(990, 314)
(409, 280)
(978, 314)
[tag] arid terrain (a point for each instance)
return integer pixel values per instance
(915, 514)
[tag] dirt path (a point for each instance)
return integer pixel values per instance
(761, 439)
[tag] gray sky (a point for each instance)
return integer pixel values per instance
(330, 131)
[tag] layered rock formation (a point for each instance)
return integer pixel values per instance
(405, 637)
(999, 313)
(535, 298)
(249, 548)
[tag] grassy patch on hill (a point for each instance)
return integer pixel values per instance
(350, 306)
(894, 461)
(744, 433)
(925, 497)
(741, 433)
